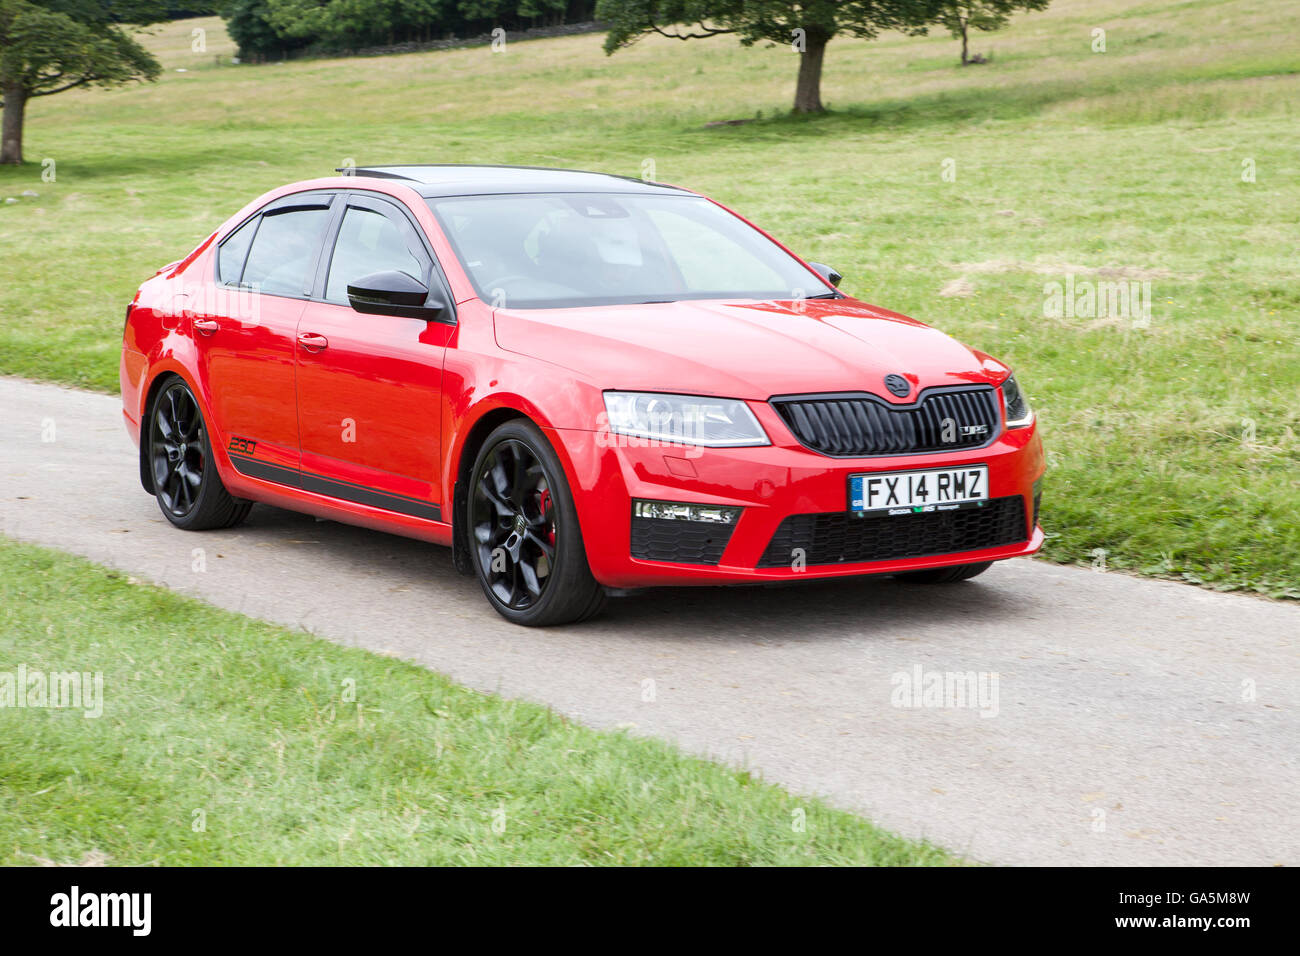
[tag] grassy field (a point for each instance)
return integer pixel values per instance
(953, 194)
(179, 769)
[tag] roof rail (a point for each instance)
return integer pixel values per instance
(395, 171)
(376, 171)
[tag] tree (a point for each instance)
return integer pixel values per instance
(48, 46)
(808, 26)
(960, 17)
(277, 28)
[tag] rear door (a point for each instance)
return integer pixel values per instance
(246, 332)
(370, 386)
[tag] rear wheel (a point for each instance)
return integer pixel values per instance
(959, 572)
(524, 539)
(185, 480)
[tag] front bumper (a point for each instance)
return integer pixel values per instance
(770, 483)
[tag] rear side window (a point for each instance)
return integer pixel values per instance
(283, 253)
(233, 252)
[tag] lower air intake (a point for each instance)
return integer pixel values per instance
(840, 537)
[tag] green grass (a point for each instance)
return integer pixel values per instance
(1172, 447)
(209, 711)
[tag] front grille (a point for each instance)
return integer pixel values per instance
(856, 425)
(682, 542)
(841, 537)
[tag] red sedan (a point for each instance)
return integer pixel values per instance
(578, 382)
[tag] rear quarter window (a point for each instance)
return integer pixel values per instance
(233, 251)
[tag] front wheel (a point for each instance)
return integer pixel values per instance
(958, 572)
(185, 479)
(524, 539)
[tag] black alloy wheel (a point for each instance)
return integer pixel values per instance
(523, 534)
(514, 524)
(177, 450)
(185, 480)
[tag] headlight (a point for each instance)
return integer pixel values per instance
(684, 419)
(1019, 414)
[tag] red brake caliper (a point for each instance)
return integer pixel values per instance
(544, 509)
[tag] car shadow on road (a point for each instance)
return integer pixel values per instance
(815, 609)
(818, 608)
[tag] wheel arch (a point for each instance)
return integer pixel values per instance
(488, 422)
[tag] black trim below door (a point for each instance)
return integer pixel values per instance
(265, 470)
(333, 488)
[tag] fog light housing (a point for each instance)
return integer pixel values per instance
(685, 511)
(679, 532)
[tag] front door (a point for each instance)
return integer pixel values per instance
(370, 386)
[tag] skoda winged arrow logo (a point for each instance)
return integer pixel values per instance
(898, 385)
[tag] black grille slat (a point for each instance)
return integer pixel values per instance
(960, 411)
(891, 427)
(839, 428)
(949, 408)
(841, 537)
(924, 421)
(907, 437)
(973, 406)
(936, 424)
(882, 425)
(858, 425)
(875, 425)
(803, 421)
(966, 407)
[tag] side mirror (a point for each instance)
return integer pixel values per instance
(394, 293)
(827, 273)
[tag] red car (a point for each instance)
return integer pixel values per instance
(580, 383)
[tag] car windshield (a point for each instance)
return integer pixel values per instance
(544, 250)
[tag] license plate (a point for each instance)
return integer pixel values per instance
(913, 492)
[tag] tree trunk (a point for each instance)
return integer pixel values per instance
(808, 91)
(964, 61)
(11, 129)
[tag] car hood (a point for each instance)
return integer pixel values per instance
(750, 350)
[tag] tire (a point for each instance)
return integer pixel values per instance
(522, 531)
(959, 572)
(179, 458)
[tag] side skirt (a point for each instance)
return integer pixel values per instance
(332, 487)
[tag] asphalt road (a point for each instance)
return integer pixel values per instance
(1134, 722)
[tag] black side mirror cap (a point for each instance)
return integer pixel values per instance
(394, 293)
(827, 273)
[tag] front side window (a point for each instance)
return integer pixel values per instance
(578, 249)
(368, 242)
(283, 252)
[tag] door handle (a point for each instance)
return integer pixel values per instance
(312, 342)
(206, 326)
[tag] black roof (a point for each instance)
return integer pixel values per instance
(450, 179)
